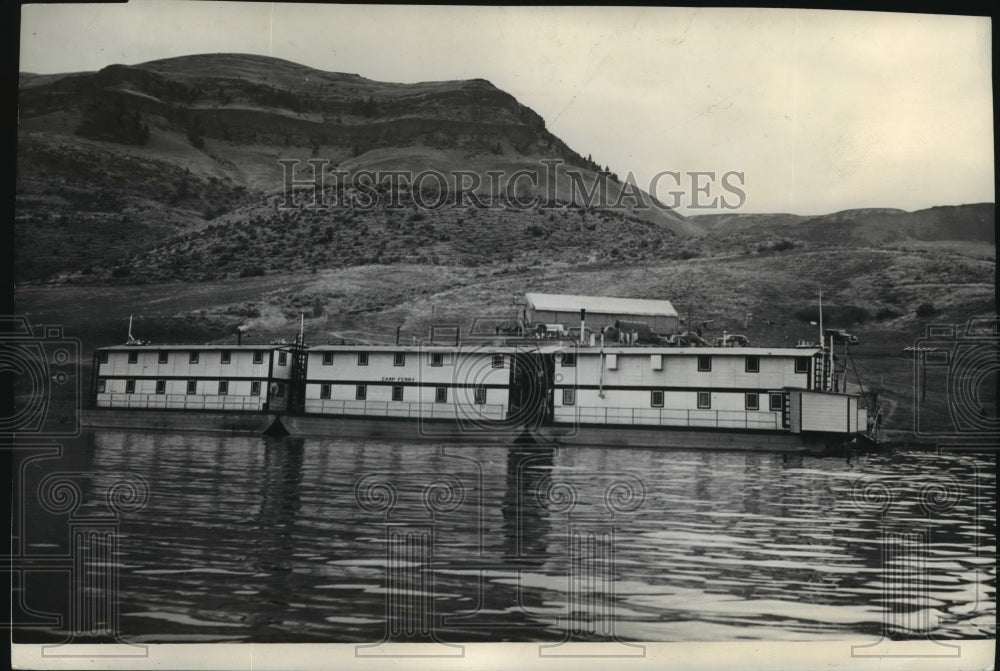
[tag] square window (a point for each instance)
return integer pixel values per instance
(437, 359)
(133, 357)
(362, 358)
(282, 358)
(704, 400)
(568, 360)
(223, 387)
(327, 358)
(192, 387)
(656, 398)
(164, 357)
(480, 395)
(227, 356)
(258, 356)
(102, 384)
(161, 386)
(399, 359)
(498, 360)
(441, 395)
(129, 386)
(360, 392)
(397, 392)
(324, 390)
(752, 364)
(255, 388)
(752, 401)
(704, 362)
(193, 358)
(777, 402)
(102, 357)
(801, 364)
(569, 397)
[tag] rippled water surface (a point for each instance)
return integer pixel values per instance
(240, 538)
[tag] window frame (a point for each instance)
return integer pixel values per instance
(756, 401)
(399, 358)
(192, 387)
(498, 358)
(102, 356)
(707, 367)
(362, 358)
(161, 386)
(568, 360)
(194, 357)
(133, 357)
(226, 357)
(479, 395)
(707, 405)
(258, 356)
(223, 388)
(163, 356)
(326, 391)
(129, 386)
(440, 394)
(255, 387)
(755, 358)
(781, 402)
(282, 358)
(397, 396)
(568, 396)
(361, 392)
(102, 385)
(804, 360)
(327, 359)
(652, 398)
(437, 359)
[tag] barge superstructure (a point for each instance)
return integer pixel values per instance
(593, 389)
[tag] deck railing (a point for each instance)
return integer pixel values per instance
(729, 419)
(181, 402)
(410, 409)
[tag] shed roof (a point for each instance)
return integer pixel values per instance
(601, 304)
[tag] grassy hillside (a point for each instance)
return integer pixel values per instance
(117, 162)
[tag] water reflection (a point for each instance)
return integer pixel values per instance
(263, 539)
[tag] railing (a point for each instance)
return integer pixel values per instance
(728, 419)
(413, 410)
(180, 402)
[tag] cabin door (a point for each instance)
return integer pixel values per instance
(531, 389)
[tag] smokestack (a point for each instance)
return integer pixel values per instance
(397, 334)
(239, 337)
(583, 325)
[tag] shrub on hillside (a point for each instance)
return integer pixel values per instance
(926, 310)
(252, 271)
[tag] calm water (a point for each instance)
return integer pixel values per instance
(242, 538)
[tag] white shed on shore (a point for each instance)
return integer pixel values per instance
(601, 311)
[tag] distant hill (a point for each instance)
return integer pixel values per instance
(121, 160)
(871, 226)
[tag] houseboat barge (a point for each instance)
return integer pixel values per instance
(596, 389)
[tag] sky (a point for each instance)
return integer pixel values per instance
(820, 111)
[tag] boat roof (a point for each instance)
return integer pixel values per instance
(601, 304)
(189, 348)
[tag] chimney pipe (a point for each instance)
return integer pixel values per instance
(397, 334)
(583, 325)
(239, 337)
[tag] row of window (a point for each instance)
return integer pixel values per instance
(752, 399)
(192, 387)
(399, 359)
(194, 357)
(440, 393)
(751, 364)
